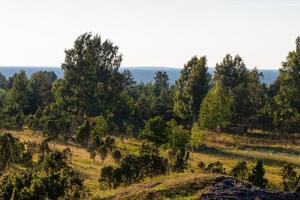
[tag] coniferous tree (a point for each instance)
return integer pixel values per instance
(257, 175)
(215, 110)
(287, 100)
(233, 76)
(190, 89)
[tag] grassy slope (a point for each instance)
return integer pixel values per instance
(227, 148)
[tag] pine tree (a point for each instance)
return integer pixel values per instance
(215, 110)
(257, 174)
(287, 100)
(190, 89)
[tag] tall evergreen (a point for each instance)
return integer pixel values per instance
(287, 100)
(215, 111)
(191, 88)
(257, 175)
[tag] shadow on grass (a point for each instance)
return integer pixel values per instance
(219, 152)
(273, 137)
(260, 148)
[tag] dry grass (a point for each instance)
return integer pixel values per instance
(224, 147)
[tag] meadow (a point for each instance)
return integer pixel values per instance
(274, 150)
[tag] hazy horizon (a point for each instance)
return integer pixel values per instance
(173, 67)
(151, 33)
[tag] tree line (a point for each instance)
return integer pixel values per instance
(94, 102)
(234, 99)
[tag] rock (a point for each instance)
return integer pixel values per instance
(232, 189)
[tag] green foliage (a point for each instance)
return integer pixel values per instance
(11, 150)
(40, 89)
(191, 88)
(54, 180)
(215, 167)
(201, 166)
(117, 155)
(44, 150)
(178, 137)
(84, 133)
(215, 110)
(100, 126)
(109, 143)
(155, 131)
(18, 94)
(240, 170)
(197, 136)
(3, 82)
(133, 169)
(149, 148)
(107, 176)
(181, 160)
(12, 117)
(289, 177)
(247, 92)
(103, 151)
(287, 103)
(161, 82)
(256, 176)
(94, 64)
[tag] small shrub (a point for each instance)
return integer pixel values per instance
(197, 136)
(240, 170)
(201, 166)
(106, 176)
(215, 167)
(289, 178)
(133, 169)
(117, 155)
(103, 151)
(181, 161)
(110, 143)
(149, 148)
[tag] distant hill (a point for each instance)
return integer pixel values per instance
(140, 74)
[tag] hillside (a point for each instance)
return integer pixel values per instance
(223, 147)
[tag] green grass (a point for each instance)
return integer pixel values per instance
(226, 148)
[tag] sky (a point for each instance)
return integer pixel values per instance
(151, 32)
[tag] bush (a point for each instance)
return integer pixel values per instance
(240, 170)
(12, 117)
(84, 133)
(110, 143)
(106, 176)
(133, 169)
(148, 148)
(256, 177)
(155, 131)
(99, 125)
(117, 155)
(181, 162)
(12, 151)
(197, 136)
(103, 151)
(201, 166)
(289, 178)
(215, 167)
(54, 180)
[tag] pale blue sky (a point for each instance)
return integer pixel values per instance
(151, 32)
